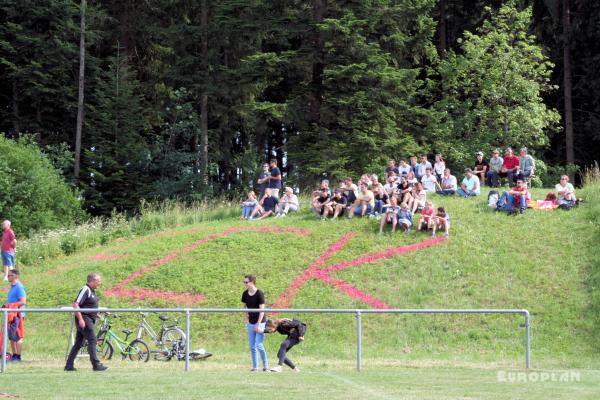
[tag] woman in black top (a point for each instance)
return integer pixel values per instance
(255, 322)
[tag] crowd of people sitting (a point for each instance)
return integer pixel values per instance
(403, 191)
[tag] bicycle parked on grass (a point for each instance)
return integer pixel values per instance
(170, 341)
(136, 350)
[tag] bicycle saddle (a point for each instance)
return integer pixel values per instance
(127, 332)
(163, 318)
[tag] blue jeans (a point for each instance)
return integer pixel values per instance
(462, 193)
(507, 201)
(8, 259)
(358, 211)
(256, 342)
(446, 192)
(247, 211)
(379, 206)
(492, 178)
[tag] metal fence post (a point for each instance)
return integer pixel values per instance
(187, 340)
(527, 341)
(358, 339)
(4, 340)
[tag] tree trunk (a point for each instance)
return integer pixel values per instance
(204, 97)
(318, 66)
(567, 82)
(442, 45)
(79, 126)
(15, 109)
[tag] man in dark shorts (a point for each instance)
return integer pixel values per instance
(275, 179)
(263, 180)
(336, 205)
(17, 298)
(321, 201)
(266, 207)
(86, 323)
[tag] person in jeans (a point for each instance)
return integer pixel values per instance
(254, 299)
(86, 323)
(526, 165)
(470, 185)
(510, 167)
(448, 185)
(495, 167)
(516, 197)
(248, 205)
(295, 331)
(8, 248)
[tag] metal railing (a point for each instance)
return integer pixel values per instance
(357, 312)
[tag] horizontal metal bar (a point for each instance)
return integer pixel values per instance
(287, 310)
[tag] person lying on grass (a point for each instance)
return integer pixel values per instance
(267, 206)
(441, 221)
(427, 219)
(391, 215)
(295, 331)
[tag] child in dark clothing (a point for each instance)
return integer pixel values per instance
(295, 331)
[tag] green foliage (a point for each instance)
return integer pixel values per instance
(34, 195)
(492, 89)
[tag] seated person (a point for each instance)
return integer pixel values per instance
(411, 178)
(324, 184)
(566, 192)
(382, 200)
(248, 205)
(349, 189)
(429, 181)
(481, 167)
(405, 218)
(391, 215)
(418, 198)
(364, 203)
(374, 180)
(441, 221)
(413, 164)
(392, 167)
(426, 221)
(403, 167)
(336, 205)
(289, 202)
(510, 167)
(470, 185)
(494, 169)
(404, 190)
(320, 201)
(392, 183)
(526, 165)
(438, 167)
(516, 197)
(421, 167)
(448, 185)
(266, 206)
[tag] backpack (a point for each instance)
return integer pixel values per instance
(492, 198)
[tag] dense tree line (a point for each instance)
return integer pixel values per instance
(184, 99)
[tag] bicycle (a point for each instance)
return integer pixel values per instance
(169, 341)
(136, 350)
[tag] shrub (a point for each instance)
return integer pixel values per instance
(34, 195)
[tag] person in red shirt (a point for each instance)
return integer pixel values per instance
(517, 197)
(510, 167)
(427, 217)
(9, 243)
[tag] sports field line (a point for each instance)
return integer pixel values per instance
(365, 389)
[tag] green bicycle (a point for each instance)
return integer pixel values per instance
(136, 350)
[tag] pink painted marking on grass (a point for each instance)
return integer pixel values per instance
(119, 289)
(323, 275)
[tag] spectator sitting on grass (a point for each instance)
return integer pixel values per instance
(405, 218)
(350, 190)
(470, 185)
(411, 178)
(516, 197)
(404, 191)
(248, 205)
(392, 168)
(418, 198)
(421, 167)
(566, 193)
(526, 165)
(391, 183)
(441, 221)
(448, 184)
(413, 164)
(382, 200)
(495, 167)
(320, 201)
(266, 207)
(404, 168)
(391, 215)
(510, 167)
(429, 181)
(289, 202)
(365, 201)
(427, 220)
(336, 205)
(481, 167)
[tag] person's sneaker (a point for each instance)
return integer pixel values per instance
(296, 369)
(70, 369)
(253, 370)
(276, 369)
(100, 367)
(266, 370)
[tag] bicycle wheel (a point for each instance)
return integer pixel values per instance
(138, 351)
(173, 335)
(105, 349)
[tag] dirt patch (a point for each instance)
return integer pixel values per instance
(8, 396)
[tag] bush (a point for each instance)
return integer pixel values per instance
(34, 195)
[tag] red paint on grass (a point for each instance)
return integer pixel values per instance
(119, 289)
(323, 275)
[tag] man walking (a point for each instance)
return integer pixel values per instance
(17, 300)
(85, 321)
(9, 243)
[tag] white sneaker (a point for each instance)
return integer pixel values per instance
(276, 369)
(296, 369)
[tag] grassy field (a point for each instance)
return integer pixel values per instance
(334, 381)
(542, 261)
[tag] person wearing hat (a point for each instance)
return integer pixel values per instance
(481, 166)
(470, 185)
(494, 168)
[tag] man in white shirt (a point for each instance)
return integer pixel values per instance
(429, 180)
(448, 185)
(470, 185)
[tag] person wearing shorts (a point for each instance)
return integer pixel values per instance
(16, 299)
(9, 244)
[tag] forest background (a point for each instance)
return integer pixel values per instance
(181, 99)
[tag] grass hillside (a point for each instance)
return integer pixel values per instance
(542, 261)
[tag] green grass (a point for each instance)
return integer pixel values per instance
(322, 380)
(542, 261)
